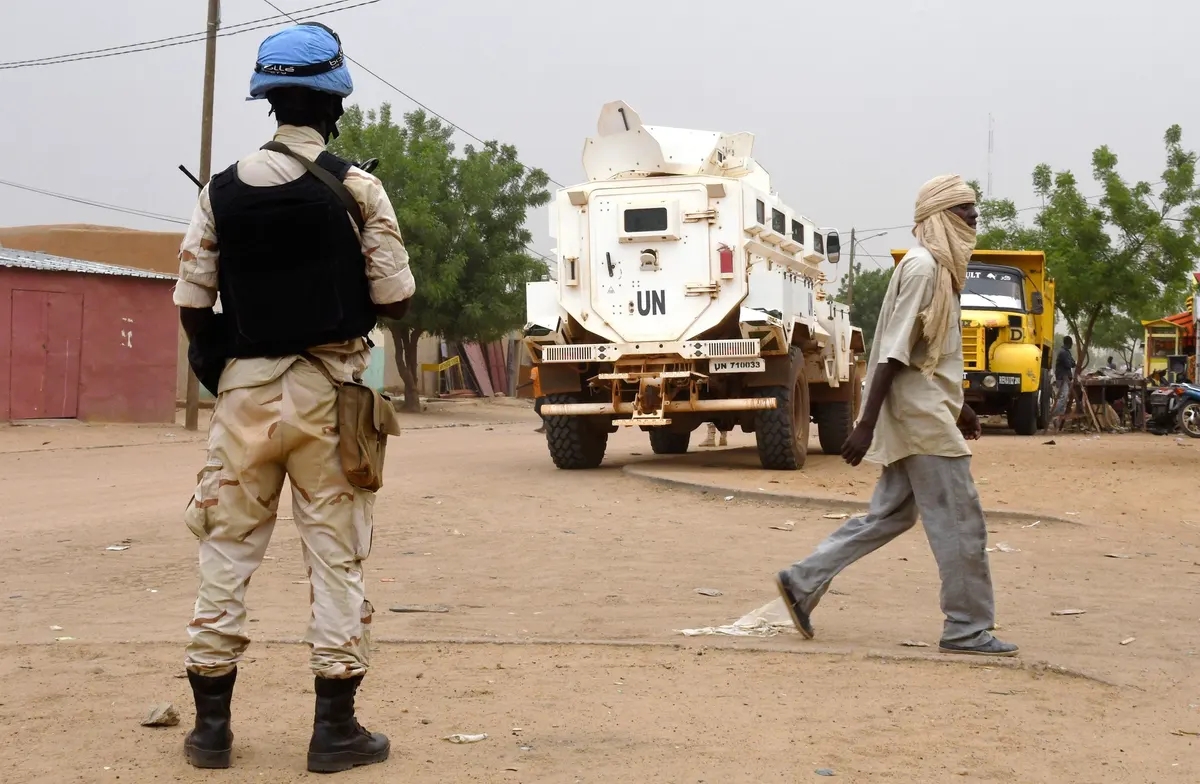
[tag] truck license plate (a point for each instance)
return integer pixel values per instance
(758, 365)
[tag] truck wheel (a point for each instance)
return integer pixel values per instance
(1023, 414)
(1189, 419)
(835, 421)
(1043, 415)
(575, 442)
(666, 442)
(782, 432)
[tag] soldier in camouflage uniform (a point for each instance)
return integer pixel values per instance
(303, 271)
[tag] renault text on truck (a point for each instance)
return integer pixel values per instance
(687, 292)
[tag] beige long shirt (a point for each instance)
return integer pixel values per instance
(383, 250)
(920, 415)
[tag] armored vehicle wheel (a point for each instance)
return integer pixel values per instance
(1043, 415)
(575, 442)
(835, 421)
(782, 432)
(1023, 414)
(666, 442)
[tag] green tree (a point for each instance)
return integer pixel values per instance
(1000, 226)
(462, 219)
(869, 288)
(1125, 255)
(1120, 333)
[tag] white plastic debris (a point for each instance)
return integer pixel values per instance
(463, 738)
(116, 548)
(766, 621)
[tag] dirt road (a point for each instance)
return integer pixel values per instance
(566, 594)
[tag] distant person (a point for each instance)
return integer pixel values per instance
(1112, 365)
(916, 425)
(1064, 372)
(711, 440)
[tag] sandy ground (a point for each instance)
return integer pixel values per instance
(566, 594)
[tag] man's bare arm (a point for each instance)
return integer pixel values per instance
(864, 432)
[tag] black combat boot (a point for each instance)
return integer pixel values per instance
(339, 742)
(210, 743)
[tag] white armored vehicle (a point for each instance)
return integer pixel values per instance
(687, 292)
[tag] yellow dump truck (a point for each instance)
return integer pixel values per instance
(1008, 336)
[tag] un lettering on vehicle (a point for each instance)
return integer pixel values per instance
(652, 303)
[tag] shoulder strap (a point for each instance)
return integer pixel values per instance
(326, 177)
(333, 164)
(321, 367)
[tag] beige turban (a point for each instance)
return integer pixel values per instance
(950, 240)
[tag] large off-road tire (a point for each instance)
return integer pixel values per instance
(575, 442)
(1189, 419)
(835, 421)
(666, 442)
(782, 432)
(1043, 415)
(1023, 414)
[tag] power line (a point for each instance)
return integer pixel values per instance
(201, 34)
(181, 40)
(441, 117)
(100, 204)
(155, 215)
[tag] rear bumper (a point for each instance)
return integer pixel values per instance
(670, 407)
(740, 348)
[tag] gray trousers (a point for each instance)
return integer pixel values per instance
(1064, 395)
(942, 491)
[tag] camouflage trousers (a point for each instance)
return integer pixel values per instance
(258, 435)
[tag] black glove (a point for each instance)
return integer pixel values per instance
(209, 351)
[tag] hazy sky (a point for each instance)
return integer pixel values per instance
(853, 103)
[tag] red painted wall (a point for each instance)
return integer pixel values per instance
(129, 348)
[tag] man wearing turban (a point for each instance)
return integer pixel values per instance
(916, 425)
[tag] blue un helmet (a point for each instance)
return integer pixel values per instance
(308, 55)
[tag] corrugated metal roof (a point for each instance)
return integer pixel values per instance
(22, 259)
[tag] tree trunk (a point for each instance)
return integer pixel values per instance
(404, 343)
(412, 392)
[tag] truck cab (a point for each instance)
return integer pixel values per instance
(1007, 336)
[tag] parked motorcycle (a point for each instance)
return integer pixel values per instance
(1175, 406)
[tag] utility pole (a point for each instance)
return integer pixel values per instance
(192, 410)
(850, 282)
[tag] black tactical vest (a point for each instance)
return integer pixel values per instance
(292, 274)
